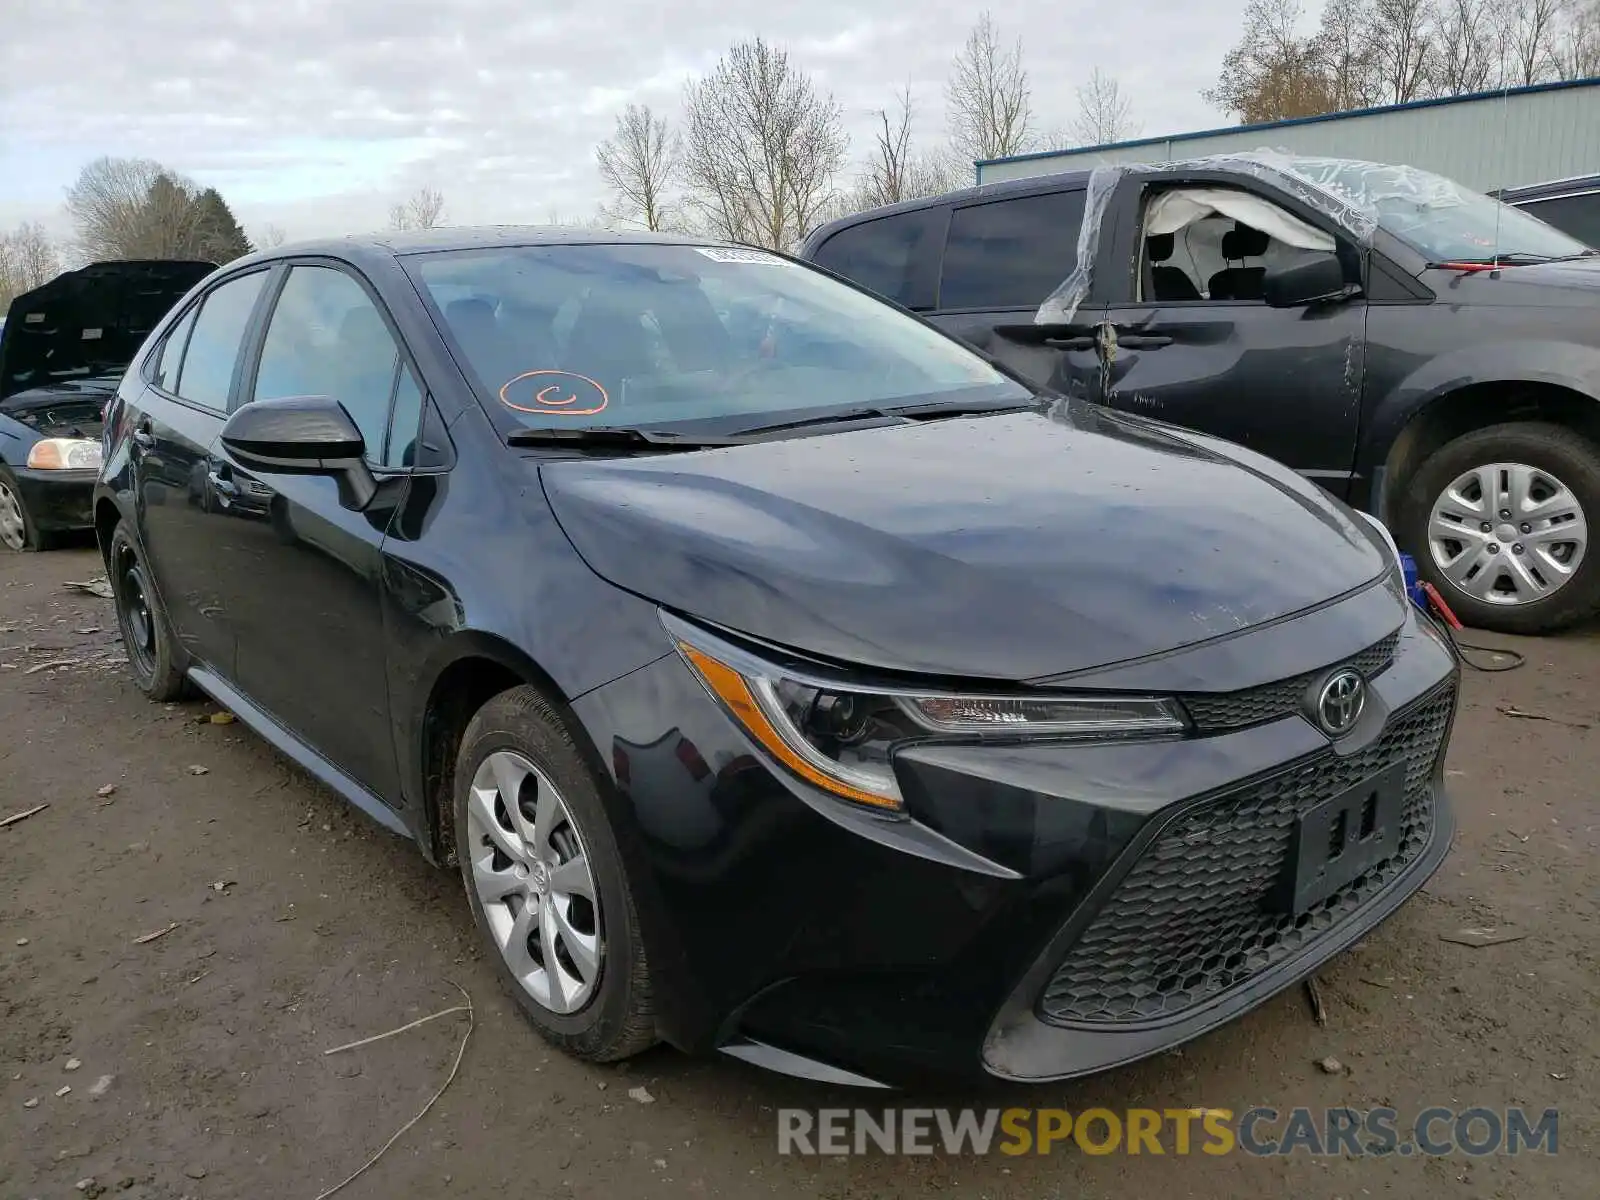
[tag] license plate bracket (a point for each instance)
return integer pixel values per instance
(1344, 837)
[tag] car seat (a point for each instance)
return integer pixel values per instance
(1167, 282)
(1241, 282)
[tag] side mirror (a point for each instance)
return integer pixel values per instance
(1314, 281)
(303, 435)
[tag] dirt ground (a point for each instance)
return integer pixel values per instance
(295, 926)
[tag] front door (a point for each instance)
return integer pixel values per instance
(175, 419)
(1189, 338)
(305, 571)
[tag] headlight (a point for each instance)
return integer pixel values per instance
(838, 736)
(65, 454)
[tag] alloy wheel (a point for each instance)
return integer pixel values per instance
(533, 880)
(1507, 533)
(13, 530)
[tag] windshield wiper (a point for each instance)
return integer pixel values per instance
(905, 413)
(619, 437)
(1516, 259)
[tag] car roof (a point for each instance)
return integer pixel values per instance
(360, 246)
(1549, 189)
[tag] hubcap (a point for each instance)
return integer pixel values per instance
(1507, 533)
(532, 877)
(13, 533)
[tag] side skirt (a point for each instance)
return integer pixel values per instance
(286, 743)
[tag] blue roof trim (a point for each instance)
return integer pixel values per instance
(1432, 102)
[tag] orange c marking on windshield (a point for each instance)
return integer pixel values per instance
(561, 390)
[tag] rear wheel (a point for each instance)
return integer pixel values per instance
(1499, 522)
(145, 633)
(545, 880)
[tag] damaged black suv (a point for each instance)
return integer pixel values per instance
(63, 348)
(1418, 349)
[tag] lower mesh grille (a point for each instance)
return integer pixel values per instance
(1194, 918)
(1216, 712)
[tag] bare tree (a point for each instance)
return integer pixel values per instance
(1467, 54)
(1575, 47)
(271, 237)
(1272, 73)
(639, 164)
(424, 210)
(1402, 42)
(1527, 27)
(1344, 51)
(135, 208)
(987, 96)
(761, 147)
(1105, 115)
(895, 169)
(28, 258)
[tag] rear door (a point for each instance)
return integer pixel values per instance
(179, 415)
(1190, 339)
(1002, 258)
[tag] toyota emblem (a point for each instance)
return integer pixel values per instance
(1340, 702)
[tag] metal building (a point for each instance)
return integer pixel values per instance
(1485, 141)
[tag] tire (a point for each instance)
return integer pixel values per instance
(17, 530)
(1544, 457)
(146, 634)
(612, 1016)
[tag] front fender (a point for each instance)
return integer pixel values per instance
(1512, 362)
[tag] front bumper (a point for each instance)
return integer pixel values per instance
(58, 501)
(1020, 922)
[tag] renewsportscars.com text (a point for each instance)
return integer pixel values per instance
(1260, 1131)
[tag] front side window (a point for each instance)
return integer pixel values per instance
(1439, 217)
(213, 350)
(657, 335)
(883, 254)
(327, 338)
(1010, 253)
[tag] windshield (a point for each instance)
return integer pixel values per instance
(653, 336)
(1441, 218)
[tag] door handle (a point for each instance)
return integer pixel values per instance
(1143, 341)
(1072, 343)
(143, 436)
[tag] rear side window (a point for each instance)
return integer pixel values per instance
(1578, 215)
(165, 375)
(1010, 253)
(883, 255)
(207, 375)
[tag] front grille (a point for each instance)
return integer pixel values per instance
(1194, 917)
(1222, 711)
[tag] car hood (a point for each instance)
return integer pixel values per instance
(89, 322)
(1004, 547)
(1575, 281)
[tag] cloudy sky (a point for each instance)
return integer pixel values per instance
(316, 115)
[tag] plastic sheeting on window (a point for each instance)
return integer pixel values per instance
(1171, 211)
(1348, 191)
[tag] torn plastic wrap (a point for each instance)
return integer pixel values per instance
(1348, 191)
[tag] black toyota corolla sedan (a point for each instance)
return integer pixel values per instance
(783, 677)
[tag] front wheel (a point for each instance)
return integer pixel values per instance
(1499, 522)
(545, 880)
(17, 530)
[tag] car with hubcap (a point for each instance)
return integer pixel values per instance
(63, 347)
(1422, 352)
(781, 676)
